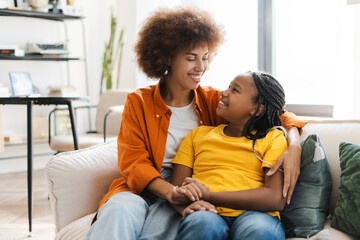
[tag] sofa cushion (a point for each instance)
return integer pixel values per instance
(309, 206)
(347, 211)
(76, 230)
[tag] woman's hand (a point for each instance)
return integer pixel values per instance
(198, 206)
(290, 161)
(194, 190)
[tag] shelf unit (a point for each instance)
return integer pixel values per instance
(39, 58)
(65, 58)
(52, 17)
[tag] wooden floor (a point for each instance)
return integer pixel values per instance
(13, 207)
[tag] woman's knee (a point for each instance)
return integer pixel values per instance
(124, 205)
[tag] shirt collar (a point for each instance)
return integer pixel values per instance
(160, 106)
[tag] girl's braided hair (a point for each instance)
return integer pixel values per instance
(272, 96)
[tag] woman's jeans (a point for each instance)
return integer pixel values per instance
(249, 225)
(129, 216)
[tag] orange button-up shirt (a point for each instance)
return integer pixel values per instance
(143, 133)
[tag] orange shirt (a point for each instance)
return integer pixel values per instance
(143, 133)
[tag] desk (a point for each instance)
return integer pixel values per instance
(29, 101)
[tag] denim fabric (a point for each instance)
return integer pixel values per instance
(129, 216)
(249, 225)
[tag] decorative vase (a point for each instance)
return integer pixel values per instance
(70, 2)
(38, 5)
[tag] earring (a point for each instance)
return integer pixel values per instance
(166, 72)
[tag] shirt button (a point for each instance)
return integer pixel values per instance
(157, 115)
(201, 122)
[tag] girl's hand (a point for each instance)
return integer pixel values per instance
(178, 197)
(198, 206)
(194, 189)
(290, 161)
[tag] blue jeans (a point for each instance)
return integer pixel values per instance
(129, 216)
(249, 225)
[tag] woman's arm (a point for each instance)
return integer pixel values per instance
(290, 161)
(135, 161)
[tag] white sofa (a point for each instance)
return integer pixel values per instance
(77, 180)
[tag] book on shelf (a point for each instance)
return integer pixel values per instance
(11, 50)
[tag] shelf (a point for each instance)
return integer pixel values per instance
(39, 58)
(34, 14)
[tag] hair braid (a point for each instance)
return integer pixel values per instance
(272, 96)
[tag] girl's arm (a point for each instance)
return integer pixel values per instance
(267, 198)
(290, 161)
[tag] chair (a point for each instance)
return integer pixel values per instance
(107, 123)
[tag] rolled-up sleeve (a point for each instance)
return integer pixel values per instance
(290, 120)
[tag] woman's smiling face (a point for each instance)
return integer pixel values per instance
(188, 66)
(237, 103)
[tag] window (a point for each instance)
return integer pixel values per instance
(315, 53)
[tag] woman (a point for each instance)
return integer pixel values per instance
(174, 46)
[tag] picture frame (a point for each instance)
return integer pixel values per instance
(21, 84)
(7, 3)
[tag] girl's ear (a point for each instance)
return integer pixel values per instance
(261, 110)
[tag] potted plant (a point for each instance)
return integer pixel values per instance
(112, 55)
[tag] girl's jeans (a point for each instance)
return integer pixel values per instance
(249, 225)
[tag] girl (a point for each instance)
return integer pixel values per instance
(232, 160)
(174, 46)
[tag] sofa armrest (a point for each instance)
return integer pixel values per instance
(77, 181)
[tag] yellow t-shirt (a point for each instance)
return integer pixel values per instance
(228, 163)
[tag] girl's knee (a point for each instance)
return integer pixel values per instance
(259, 225)
(203, 225)
(202, 218)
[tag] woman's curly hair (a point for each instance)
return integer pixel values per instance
(169, 31)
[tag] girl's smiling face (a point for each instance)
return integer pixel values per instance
(187, 67)
(238, 102)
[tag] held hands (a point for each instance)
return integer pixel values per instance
(193, 189)
(290, 161)
(178, 197)
(190, 191)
